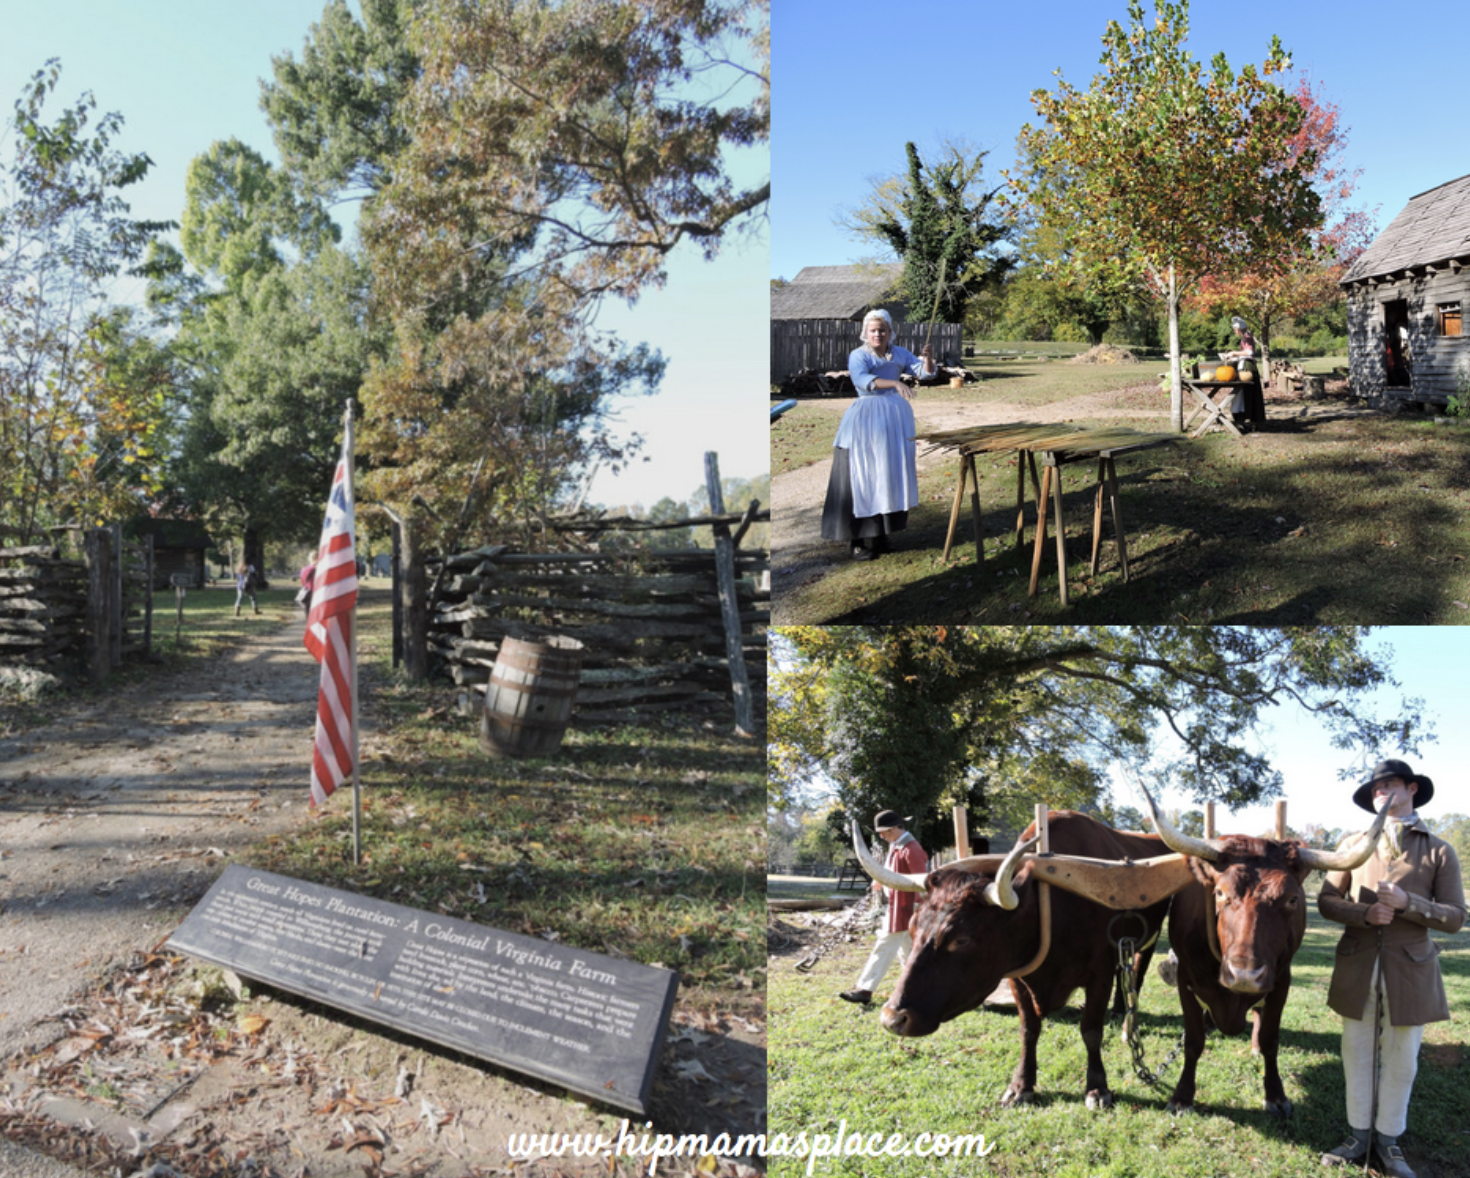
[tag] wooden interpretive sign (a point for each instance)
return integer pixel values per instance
(588, 1022)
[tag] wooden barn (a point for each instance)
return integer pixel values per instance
(815, 317)
(179, 546)
(1405, 297)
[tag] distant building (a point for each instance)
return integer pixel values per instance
(178, 547)
(1406, 295)
(840, 292)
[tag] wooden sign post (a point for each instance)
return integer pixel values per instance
(1209, 820)
(1281, 820)
(961, 833)
(1043, 829)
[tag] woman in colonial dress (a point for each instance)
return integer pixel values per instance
(875, 479)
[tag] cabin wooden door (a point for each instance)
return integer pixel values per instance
(1396, 334)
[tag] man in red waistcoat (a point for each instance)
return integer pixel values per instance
(905, 856)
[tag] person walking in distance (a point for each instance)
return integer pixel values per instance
(905, 856)
(1385, 981)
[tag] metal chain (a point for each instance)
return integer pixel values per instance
(837, 932)
(1127, 948)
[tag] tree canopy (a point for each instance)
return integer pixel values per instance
(1169, 171)
(997, 718)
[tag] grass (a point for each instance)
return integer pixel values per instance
(801, 887)
(642, 842)
(209, 626)
(830, 1061)
(1333, 518)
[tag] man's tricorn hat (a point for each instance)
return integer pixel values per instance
(889, 819)
(1423, 787)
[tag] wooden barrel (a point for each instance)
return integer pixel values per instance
(529, 701)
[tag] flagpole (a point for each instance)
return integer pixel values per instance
(349, 447)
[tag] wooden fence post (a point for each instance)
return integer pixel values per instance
(1043, 828)
(729, 599)
(415, 588)
(119, 618)
(397, 566)
(961, 833)
(1209, 820)
(148, 596)
(98, 548)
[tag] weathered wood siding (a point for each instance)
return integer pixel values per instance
(800, 344)
(1436, 363)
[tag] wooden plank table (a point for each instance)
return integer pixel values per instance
(1058, 446)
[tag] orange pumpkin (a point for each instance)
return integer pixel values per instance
(1225, 372)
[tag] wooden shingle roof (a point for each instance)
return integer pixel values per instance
(1434, 227)
(835, 292)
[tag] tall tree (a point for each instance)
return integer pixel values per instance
(1277, 286)
(1042, 713)
(1168, 170)
(938, 220)
(77, 407)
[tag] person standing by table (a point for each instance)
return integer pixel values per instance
(875, 477)
(907, 857)
(1239, 407)
(1411, 885)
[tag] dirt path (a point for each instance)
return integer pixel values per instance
(114, 820)
(800, 556)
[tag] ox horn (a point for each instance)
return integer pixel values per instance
(889, 879)
(1176, 840)
(1000, 893)
(1346, 860)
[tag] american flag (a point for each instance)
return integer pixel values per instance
(329, 635)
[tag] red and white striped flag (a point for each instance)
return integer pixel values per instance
(330, 638)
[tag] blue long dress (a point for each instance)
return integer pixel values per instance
(875, 478)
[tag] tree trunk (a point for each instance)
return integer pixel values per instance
(1176, 375)
(414, 590)
(254, 552)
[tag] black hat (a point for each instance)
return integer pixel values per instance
(889, 819)
(1423, 787)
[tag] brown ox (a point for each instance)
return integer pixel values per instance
(972, 929)
(1235, 931)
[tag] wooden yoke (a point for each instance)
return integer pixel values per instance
(1113, 883)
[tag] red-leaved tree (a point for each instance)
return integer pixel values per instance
(1290, 282)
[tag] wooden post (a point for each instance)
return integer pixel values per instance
(148, 596)
(414, 587)
(397, 597)
(961, 833)
(1209, 820)
(1043, 828)
(98, 547)
(119, 619)
(729, 601)
(1280, 819)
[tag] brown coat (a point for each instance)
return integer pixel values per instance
(1429, 872)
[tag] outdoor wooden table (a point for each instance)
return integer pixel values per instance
(1217, 413)
(1058, 445)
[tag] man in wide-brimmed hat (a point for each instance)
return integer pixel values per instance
(907, 857)
(1410, 885)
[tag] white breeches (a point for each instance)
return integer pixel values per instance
(889, 946)
(1398, 1063)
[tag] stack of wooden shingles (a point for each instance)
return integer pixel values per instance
(650, 623)
(42, 606)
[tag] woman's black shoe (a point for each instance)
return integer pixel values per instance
(861, 552)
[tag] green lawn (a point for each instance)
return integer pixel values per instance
(1336, 517)
(830, 1061)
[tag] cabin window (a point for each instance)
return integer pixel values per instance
(1449, 318)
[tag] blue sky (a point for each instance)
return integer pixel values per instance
(854, 82)
(185, 75)
(1429, 663)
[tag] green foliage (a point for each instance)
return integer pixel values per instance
(937, 223)
(84, 392)
(919, 718)
(1120, 170)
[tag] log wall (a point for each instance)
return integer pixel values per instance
(650, 622)
(43, 606)
(1437, 364)
(801, 344)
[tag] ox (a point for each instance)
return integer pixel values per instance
(1235, 931)
(974, 927)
